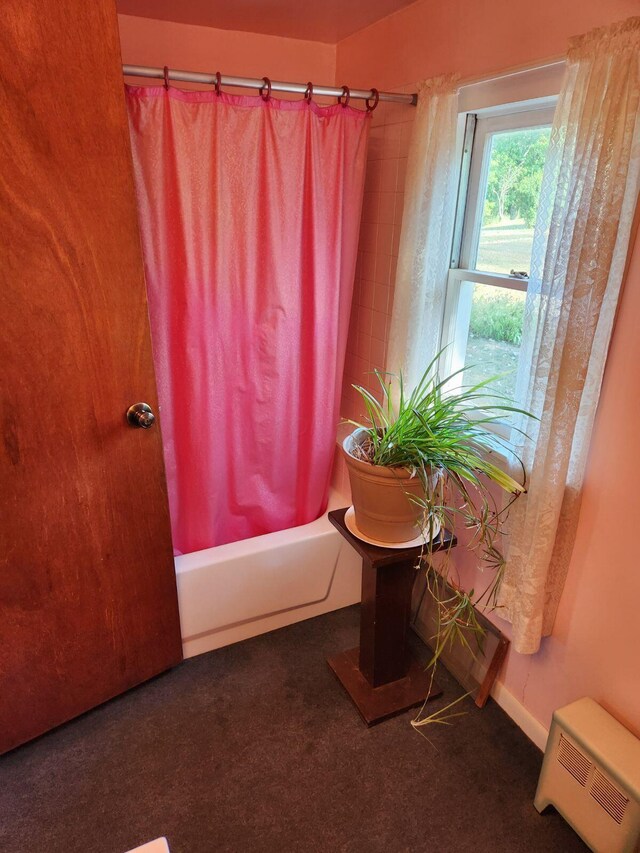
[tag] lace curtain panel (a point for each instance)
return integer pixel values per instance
(589, 194)
(427, 226)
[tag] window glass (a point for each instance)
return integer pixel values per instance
(512, 176)
(503, 160)
(493, 335)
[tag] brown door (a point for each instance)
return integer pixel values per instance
(88, 603)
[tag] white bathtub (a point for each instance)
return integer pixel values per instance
(242, 589)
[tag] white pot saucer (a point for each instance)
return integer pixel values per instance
(350, 522)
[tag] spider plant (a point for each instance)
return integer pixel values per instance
(446, 435)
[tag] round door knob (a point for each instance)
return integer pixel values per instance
(140, 415)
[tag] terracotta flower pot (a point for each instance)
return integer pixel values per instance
(381, 497)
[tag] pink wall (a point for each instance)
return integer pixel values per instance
(146, 41)
(470, 37)
(594, 647)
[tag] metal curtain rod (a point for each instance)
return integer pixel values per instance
(254, 83)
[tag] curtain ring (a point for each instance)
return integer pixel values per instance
(375, 96)
(308, 95)
(166, 77)
(218, 83)
(346, 94)
(266, 85)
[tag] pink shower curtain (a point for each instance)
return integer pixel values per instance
(249, 213)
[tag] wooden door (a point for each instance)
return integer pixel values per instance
(88, 603)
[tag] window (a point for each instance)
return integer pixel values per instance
(503, 160)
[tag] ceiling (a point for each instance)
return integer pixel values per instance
(321, 20)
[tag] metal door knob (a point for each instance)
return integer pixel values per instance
(140, 415)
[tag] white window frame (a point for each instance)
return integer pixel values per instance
(476, 131)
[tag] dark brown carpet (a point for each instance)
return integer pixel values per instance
(256, 748)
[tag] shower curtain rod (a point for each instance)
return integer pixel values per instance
(255, 83)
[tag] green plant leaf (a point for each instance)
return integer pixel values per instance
(443, 434)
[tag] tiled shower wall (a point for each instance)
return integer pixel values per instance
(377, 258)
(378, 249)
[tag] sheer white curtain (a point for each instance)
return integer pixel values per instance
(589, 194)
(427, 226)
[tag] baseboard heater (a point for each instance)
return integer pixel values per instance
(591, 774)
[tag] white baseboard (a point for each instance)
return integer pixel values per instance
(533, 729)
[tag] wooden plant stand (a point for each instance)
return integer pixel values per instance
(380, 676)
